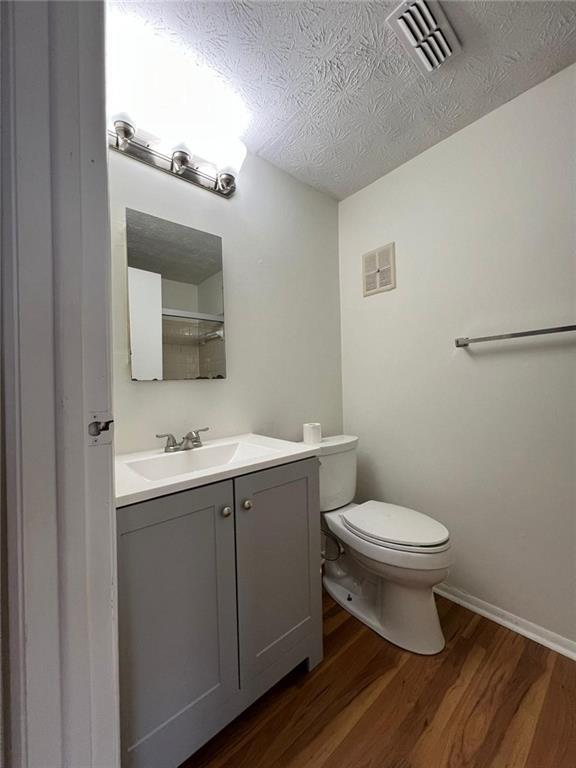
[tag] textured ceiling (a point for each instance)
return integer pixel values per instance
(334, 98)
(177, 252)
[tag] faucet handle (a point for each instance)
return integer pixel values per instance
(192, 439)
(194, 432)
(170, 440)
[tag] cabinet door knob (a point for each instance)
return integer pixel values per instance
(226, 511)
(247, 504)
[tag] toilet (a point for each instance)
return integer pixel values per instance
(385, 559)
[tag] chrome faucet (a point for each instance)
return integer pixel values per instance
(192, 439)
(171, 444)
(189, 441)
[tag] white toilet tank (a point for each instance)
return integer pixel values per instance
(337, 471)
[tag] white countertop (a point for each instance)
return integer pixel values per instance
(132, 487)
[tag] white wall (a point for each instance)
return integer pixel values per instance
(211, 296)
(177, 295)
(483, 440)
(280, 260)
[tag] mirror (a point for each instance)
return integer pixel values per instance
(175, 300)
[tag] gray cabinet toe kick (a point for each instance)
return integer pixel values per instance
(219, 595)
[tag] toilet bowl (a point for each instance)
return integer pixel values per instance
(390, 557)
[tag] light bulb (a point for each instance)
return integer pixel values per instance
(230, 157)
(167, 90)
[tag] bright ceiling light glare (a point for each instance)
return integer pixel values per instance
(230, 156)
(166, 91)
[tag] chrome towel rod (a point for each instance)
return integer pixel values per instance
(464, 341)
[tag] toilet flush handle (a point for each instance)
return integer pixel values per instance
(247, 504)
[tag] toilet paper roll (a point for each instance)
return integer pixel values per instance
(312, 433)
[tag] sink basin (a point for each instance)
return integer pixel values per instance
(166, 465)
(150, 474)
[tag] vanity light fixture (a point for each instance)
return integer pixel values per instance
(168, 108)
(124, 134)
(219, 177)
(180, 161)
(226, 183)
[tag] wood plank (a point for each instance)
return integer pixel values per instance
(433, 739)
(464, 736)
(399, 716)
(491, 699)
(515, 746)
(321, 747)
(554, 742)
(320, 699)
(305, 694)
(508, 714)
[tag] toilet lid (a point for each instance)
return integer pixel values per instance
(391, 524)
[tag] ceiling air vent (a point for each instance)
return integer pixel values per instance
(379, 270)
(425, 32)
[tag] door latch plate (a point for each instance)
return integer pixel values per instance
(100, 428)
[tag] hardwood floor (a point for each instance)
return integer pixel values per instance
(491, 699)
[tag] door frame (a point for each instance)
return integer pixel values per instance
(57, 494)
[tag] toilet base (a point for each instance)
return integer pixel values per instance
(403, 615)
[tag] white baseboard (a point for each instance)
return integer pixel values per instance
(526, 628)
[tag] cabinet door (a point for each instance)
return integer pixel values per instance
(177, 623)
(278, 562)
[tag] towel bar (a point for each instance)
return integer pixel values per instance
(464, 341)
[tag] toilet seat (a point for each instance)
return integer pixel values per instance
(414, 558)
(412, 548)
(393, 527)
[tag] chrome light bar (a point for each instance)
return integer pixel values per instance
(124, 139)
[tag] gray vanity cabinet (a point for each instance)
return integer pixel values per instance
(277, 547)
(219, 597)
(178, 634)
